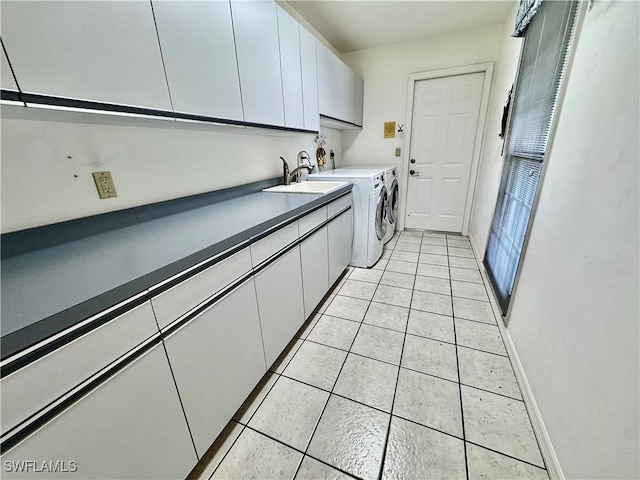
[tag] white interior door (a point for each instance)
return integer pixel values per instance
(443, 132)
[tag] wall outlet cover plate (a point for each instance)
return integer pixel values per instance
(104, 184)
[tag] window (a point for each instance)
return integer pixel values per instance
(540, 73)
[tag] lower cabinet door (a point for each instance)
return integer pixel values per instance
(340, 234)
(130, 427)
(279, 289)
(217, 359)
(314, 252)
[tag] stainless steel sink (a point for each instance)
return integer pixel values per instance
(307, 187)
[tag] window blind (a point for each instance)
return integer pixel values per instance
(540, 74)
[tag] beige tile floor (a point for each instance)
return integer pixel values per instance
(402, 373)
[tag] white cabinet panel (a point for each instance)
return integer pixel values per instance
(358, 100)
(347, 86)
(176, 301)
(339, 204)
(280, 302)
(103, 51)
(314, 252)
(200, 57)
(255, 25)
(327, 71)
(269, 245)
(217, 359)
(132, 426)
(7, 82)
(336, 86)
(291, 70)
(340, 234)
(309, 61)
(312, 220)
(29, 389)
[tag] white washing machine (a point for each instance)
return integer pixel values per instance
(391, 182)
(369, 209)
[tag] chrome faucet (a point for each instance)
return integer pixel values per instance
(303, 155)
(295, 174)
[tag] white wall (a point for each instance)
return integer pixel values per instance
(575, 312)
(491, 163)
(386, 75)
(48, 156)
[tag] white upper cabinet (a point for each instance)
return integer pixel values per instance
(256, 31)
(358, 100)
(308, 58)
(336, 86)
(291, 70)
(7, 82)
(102, 51)
(200, 57)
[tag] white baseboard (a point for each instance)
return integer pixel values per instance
(544, 441)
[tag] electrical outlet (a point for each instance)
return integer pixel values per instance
(104, 184)
(398, 152)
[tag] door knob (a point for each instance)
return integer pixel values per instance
(413, 160)
(414, 173)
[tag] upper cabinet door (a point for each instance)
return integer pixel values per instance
(200, 57)
(256, 31)
(7, 82)
(336, 86)
(309, 62)
(102, 51)
(291, 70)
(358, 100)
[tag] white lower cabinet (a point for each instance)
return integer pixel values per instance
(217, 359)
(130, 427)
(340, 234)
(314, 252)
(280, 302)
(33, 387)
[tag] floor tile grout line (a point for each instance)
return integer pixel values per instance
(398, 331)
(299, 451)
(227, 452)
(263, 398)
(507, 455)
(526, 407)
(272, 372)
(510, 361)
(466, 441)
(397, 366)
(395, 389)
(315, 428)
(464, 435)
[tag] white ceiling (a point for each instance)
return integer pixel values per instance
(351, 25)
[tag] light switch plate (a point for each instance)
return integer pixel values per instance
(104, 184)
(398, 151)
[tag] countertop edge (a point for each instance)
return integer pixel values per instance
(26, 337)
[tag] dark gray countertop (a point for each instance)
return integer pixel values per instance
(49, 289)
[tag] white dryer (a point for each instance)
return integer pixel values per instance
(369, 210)
(391, 182)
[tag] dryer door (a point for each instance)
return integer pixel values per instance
(393, 202)
(381, 213)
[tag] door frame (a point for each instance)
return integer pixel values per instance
(487, 69)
